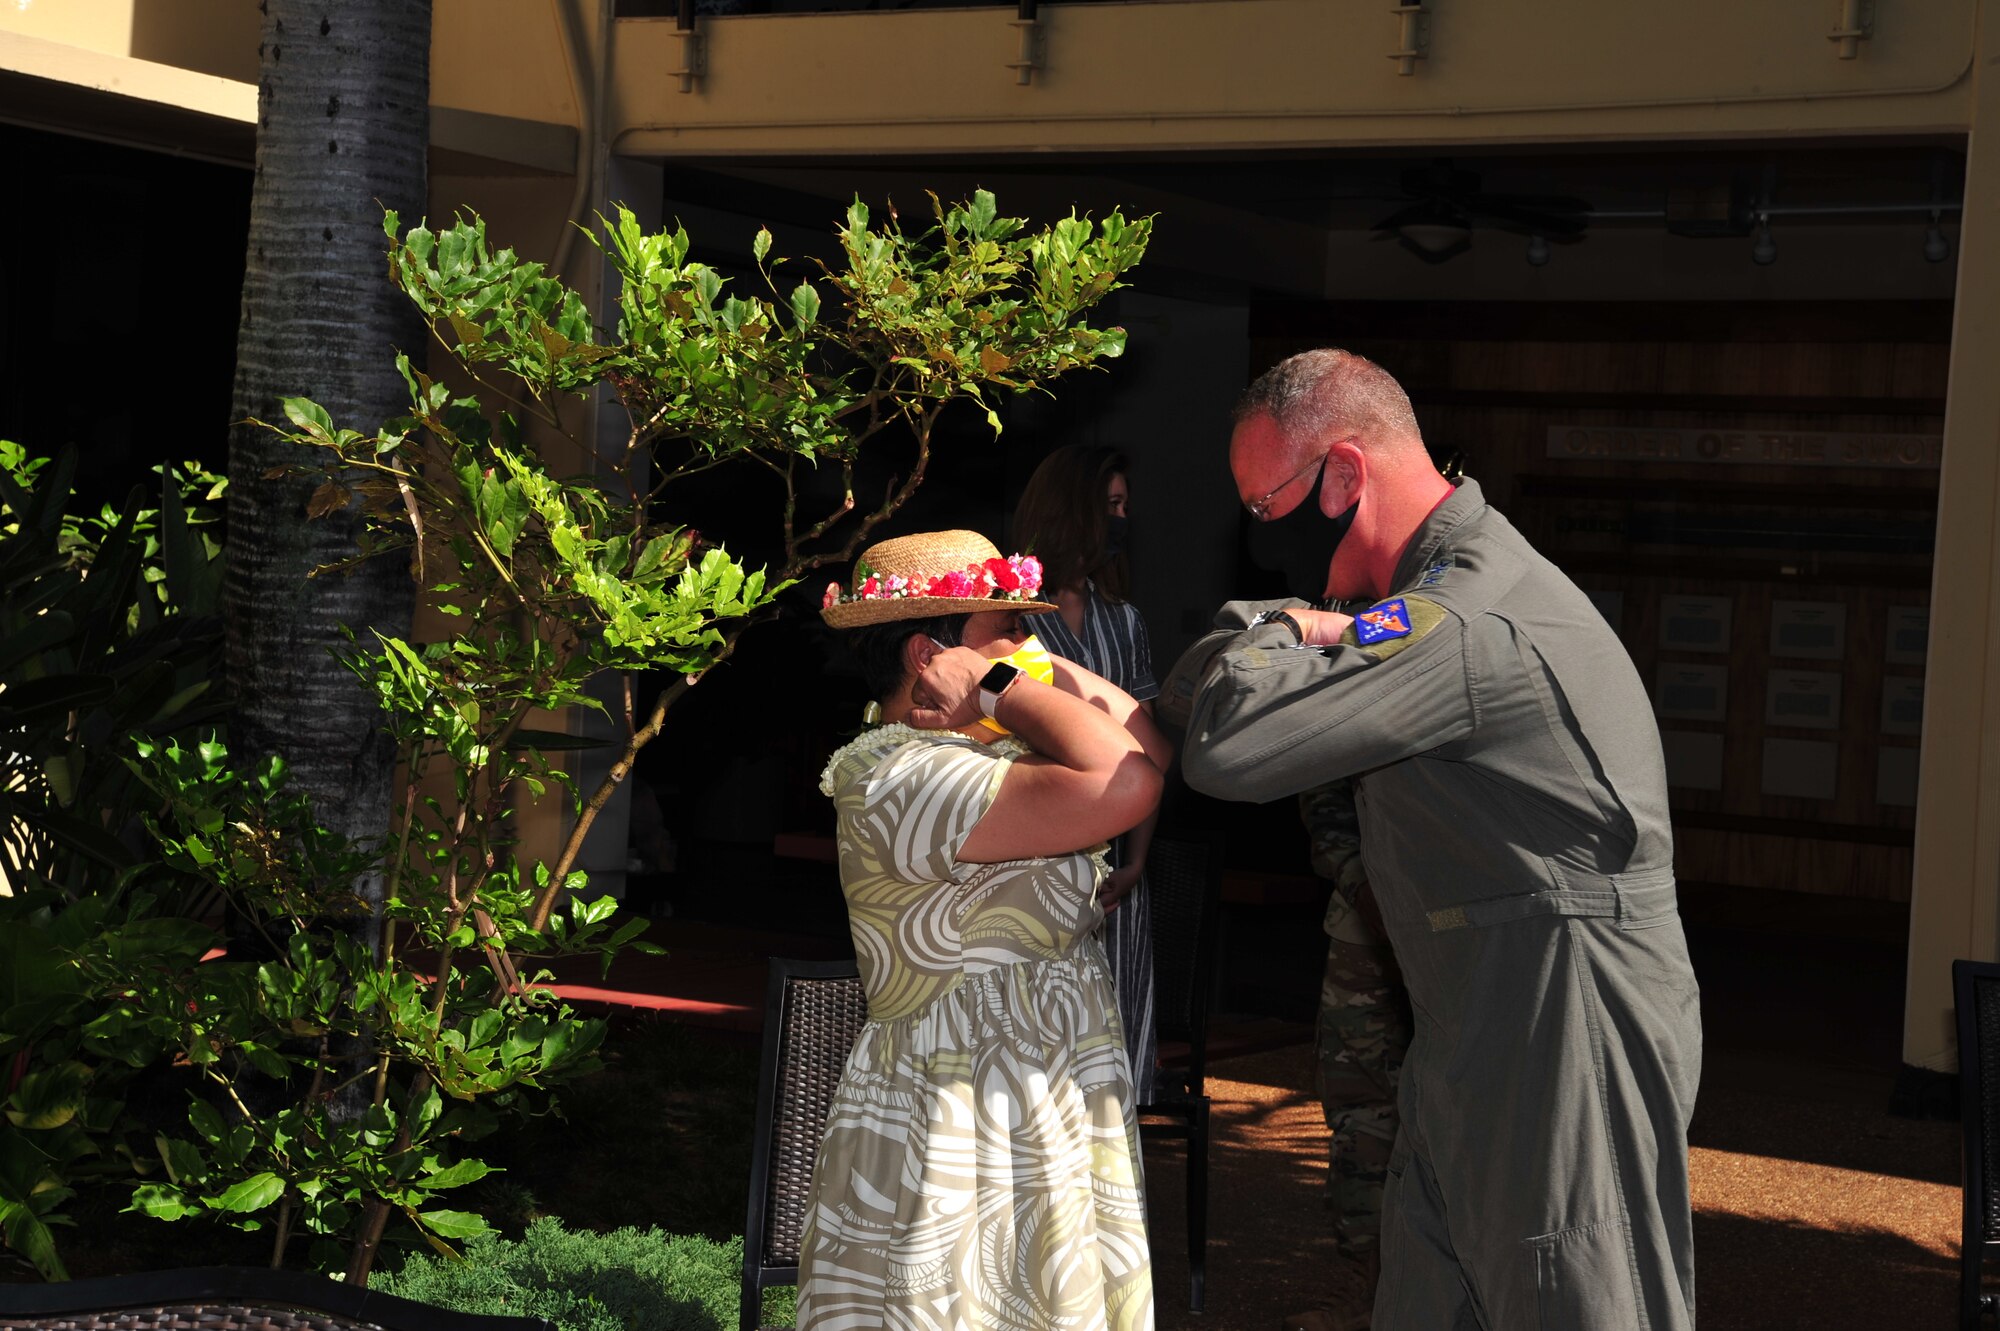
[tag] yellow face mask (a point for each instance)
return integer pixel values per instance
(1033, 659)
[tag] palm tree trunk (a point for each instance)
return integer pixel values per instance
(342, 132)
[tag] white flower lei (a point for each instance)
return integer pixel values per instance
(897, 733)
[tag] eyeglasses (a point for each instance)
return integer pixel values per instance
(1260, 509)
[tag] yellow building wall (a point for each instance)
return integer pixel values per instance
(216, 37)
(509, 57)
(1955, 909)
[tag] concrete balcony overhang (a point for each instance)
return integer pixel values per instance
(1170, 75)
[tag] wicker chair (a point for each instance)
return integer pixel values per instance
(813, 1012)
(1184, 880)
(229, 1298)
(1976, 995)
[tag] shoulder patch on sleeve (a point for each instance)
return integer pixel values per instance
(1387, 627)
(1382, 621)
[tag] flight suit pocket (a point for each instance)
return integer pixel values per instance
(1583, 1278)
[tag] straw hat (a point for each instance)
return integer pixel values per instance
(932, 573)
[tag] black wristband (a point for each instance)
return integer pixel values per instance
(1282, 617)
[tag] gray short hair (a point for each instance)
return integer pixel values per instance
(1328, 391)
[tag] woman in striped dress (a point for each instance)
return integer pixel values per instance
(980, 1169)
(1073, 517)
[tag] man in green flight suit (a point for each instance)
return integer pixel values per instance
(1512, 801)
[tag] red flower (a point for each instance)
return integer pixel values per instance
(1003, 575)
(955, 585)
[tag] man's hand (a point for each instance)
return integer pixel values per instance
(946, 693)
(1116, 884)
(1321, 627)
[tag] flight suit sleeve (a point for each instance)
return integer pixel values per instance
(1175, 704)
(1269, 720)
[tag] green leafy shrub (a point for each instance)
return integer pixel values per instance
(271, 1033)
(629, 1278)
(107, 623)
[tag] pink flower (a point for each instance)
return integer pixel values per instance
(897, 584)
(832, 596)
(955, 585)
(1031, 574)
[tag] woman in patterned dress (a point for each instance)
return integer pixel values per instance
(1072, 516)
(980, 1169)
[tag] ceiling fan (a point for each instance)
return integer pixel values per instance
(1446, 202)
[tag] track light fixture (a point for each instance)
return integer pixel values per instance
(1765, 249)
(1936, 248)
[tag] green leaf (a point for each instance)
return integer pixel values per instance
(308, 415)
(48, 1098)
(458, 1175)
(207, 1124)
(252, 1194)
(184, 1163)
(761, 246)
(453, 1224)
(28, 1234)
(161, 1201)
(981, 213)
(805, 304)
(265, 1059)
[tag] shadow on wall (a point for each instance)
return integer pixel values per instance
(216, 37)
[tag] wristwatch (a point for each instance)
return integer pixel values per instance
(997, 680)
(1281, 617)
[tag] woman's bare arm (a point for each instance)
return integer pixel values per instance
(1091, 776)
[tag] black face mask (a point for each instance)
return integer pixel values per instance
(1116, 526)
(1299, 546)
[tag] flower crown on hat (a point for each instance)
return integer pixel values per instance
(1014, 578)
(932, 573)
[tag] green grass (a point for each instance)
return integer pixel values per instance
(581, 1281)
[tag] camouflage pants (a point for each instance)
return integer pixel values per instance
(1364, 1030)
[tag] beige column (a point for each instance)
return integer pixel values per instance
(1955, 896)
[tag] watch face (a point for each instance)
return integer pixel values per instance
(998, 677)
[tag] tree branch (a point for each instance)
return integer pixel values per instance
(538, 918)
